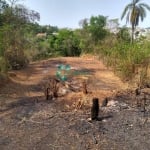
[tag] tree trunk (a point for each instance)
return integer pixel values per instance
(132, 36)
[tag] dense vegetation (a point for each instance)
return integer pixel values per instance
(23, 40)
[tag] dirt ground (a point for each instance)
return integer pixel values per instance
(30, 122)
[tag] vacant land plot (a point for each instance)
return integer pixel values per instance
(30, 122)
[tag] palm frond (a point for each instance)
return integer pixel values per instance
(128, 17)
(145, 6)
(136, 1)
(142, 13)
(136, 22)
(128, 7)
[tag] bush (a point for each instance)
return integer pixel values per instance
(3, 65)
(16, 59)
(125, 58)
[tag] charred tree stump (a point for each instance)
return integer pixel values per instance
(47, 93)
(144, 104)
(55, 94)
(137, 96)
(139, 100)
(137, 91)
(55, 88)
(84, 86)
(51, 88)
(105, 102)
(95, 109)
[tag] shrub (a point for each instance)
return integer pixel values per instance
(125, 58)
(16, 59)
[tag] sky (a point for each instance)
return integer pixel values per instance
(68, 13)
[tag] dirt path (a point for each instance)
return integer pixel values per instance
(36, 72)
(28, 121)
(27, 83)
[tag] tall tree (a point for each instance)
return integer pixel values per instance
(135, 11)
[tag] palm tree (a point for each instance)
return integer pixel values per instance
(135, 11)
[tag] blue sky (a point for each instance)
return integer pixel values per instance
(68, 13)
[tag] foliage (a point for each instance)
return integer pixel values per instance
(123, 57)
(3, 64)
(13, 40)
(65, 43)
(35, 28)
(124, 35)
(41, 49)
(96, 27)
(93, 31)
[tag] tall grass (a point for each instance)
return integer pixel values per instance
(127, 60)
(3, 65)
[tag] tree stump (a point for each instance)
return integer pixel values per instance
(51, 88)
(105, 102)
(95, 109)
(47, 93)
(144, 103)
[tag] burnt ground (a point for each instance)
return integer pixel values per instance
(29, 122)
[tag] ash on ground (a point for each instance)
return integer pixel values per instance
(56, 125)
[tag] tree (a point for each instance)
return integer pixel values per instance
(135, 11)
(84, 23)
(96, 27)
(13, 33)
(92, 32)
(65, 43)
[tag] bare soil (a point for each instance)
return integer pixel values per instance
(30, 122)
